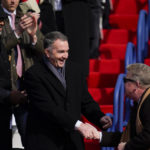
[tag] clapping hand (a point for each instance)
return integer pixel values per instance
(28, 22)
(33, 27)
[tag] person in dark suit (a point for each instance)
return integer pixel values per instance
(58, 96)
(137, 133)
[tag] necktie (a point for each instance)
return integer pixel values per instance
(19, 59)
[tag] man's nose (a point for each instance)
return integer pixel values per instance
(65, 55)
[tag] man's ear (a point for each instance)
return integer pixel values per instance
(47, 53)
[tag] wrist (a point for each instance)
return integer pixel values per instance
(34, 38)
(17, 33)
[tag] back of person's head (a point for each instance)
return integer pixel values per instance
(141, 73)
(51, 37)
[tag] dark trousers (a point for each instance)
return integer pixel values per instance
(60, 21)
(21, 114)
(95, 12)
(94, 32)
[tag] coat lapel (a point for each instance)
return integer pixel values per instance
(50, 77)
(69, 81)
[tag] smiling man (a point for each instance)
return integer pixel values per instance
(58, 96)
(59, 54)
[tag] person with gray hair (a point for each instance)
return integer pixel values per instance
(52, 37)
(58, 97)
(137, 133)
(141, 73)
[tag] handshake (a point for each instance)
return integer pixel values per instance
(90, 132)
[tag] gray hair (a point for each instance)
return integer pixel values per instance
(51, 37)
(140, 72)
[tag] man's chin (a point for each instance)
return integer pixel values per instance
(61, 65)
(12, 9)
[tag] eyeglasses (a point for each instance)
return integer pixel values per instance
(125, 80)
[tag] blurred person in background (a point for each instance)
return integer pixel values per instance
(24, 43)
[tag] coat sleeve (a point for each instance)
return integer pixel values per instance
(42, 101)
(142, 140)
(110, 139)
(4, 76)
(4, 93)
(38, 48)
(90, 109)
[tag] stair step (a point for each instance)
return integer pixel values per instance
(103, 96)
(115, 36)
(104, 108)
(106, 66)
(98, 80)
(128, 22)
(129, 6)
(112, 51)
(147, 61)
(107, 108)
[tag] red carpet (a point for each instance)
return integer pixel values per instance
(104, 72)
(124, 21)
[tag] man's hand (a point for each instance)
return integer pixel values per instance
(29, 23)
(33, 27)
(106, 122)
(25, 22)
(121, 146)
(88, 131)
(18, 97)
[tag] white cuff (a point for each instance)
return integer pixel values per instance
(100, 136)
(17, 36)
(78, 123)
